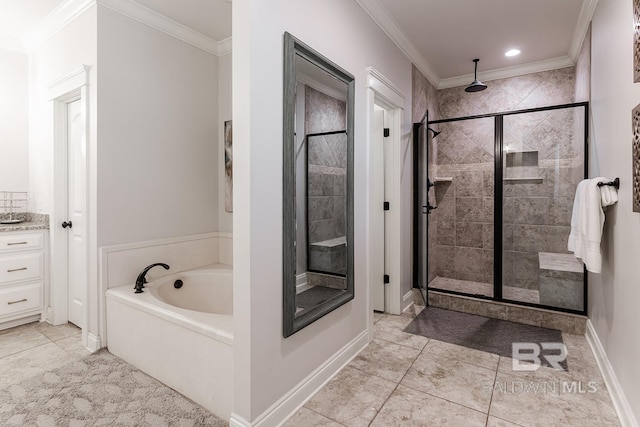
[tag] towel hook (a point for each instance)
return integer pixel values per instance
(615, 183)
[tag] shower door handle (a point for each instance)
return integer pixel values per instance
(428, 208)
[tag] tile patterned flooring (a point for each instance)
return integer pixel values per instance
(402, 379)
(28, 350)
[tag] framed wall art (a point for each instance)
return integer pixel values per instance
(635, 167)
(636, 41)
(228, 166)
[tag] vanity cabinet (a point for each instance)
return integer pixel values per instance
(22, 277)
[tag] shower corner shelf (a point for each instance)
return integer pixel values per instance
(442, 179)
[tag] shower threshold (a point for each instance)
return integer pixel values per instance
(484, 289)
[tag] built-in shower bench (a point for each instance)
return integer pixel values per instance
(561, 281)
(328, 255)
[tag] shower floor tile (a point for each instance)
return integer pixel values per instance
(485, 289)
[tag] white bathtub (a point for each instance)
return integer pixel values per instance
(182, 337)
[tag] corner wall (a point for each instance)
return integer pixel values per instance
(614, 295)
(158, 149)
(425, 100)
(14, 130)
(268, 367)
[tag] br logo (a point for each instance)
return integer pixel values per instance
(527, 355)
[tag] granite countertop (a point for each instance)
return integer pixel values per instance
(33, 222)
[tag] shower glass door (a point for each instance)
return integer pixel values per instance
(461, 232)
(504, 186)
(543, 162)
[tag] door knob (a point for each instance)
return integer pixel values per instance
(67, 224)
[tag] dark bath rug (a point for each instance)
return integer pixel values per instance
(481, 333)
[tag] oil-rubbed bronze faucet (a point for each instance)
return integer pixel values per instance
(141, 280)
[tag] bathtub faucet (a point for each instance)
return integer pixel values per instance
(141, 280)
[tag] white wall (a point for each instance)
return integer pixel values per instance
(225, 219)
(68, 50)
(14, 126)
(158, 148)
(62, 54)
(614, 295)
(267, 365)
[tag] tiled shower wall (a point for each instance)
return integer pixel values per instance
(537, 214)
(327, 165)
(424, 97)
(464, 248)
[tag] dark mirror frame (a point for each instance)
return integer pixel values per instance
(291, 323)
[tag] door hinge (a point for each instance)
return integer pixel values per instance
(386, 278)
(386, 206)
(387, 132)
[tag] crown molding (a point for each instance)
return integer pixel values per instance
(12, 43)
(224, 46)
(66, 12)
(584, 19)
(155, 20)
(506, 72)
(55, 21)
(381, 17)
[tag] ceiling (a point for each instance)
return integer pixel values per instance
(211, 18)
(441, 37)
(18, 16)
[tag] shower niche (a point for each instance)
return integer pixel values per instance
(501, 225)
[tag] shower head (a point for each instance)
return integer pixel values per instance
(476, 85)
(435, 132)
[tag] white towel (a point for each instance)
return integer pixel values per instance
(587, 220)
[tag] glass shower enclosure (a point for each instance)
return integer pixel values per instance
(493, 202)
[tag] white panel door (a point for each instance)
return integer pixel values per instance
(377, 220)
(76, 151)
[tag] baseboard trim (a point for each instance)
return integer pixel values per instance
(20, 322)
(301, 283)
(238, 421)
(288, 404)
(620, 402)
(93, 342)
(407, 301)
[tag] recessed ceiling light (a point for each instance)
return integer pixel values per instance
(512, 52)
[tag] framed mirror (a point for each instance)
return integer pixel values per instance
(318, 186)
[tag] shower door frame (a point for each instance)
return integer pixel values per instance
(498, 201)
(417, 205)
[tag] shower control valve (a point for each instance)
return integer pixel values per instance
(428, 208)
